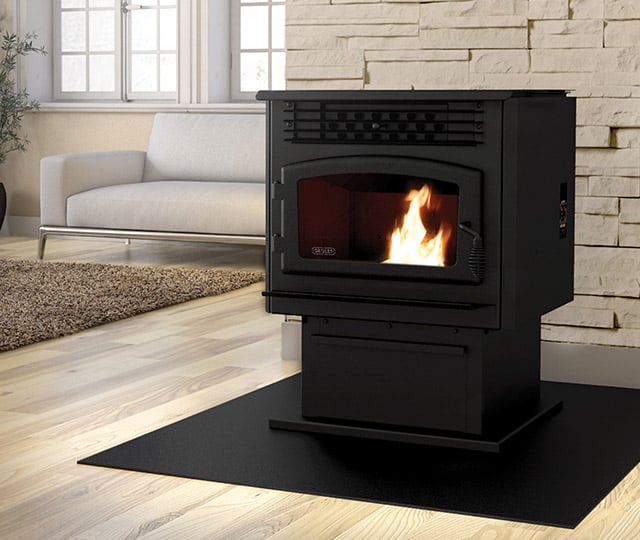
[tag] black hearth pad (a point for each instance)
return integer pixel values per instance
(554, 474)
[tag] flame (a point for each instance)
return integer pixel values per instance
(412, 243)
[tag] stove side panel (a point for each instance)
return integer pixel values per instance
(538, 206)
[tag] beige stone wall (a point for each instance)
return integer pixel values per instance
(591, 47)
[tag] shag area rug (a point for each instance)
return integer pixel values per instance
(44, 300)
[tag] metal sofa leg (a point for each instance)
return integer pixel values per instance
(42, 240)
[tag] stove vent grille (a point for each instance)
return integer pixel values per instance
(422, 123)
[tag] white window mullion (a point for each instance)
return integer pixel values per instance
(57, 53)
(184, 56)
(200, 48)
(236, 72)
(217, 49)
(269, 70)
(87, 73)
(159, 53)
(124, 53)
(36, 72)
(197, 51)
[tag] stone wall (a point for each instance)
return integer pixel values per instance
(591, 47)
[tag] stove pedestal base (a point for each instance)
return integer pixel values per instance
(494, 442)
(419, 377)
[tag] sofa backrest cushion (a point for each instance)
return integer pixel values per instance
(206, 147)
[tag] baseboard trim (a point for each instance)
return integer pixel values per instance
(23, 226)
(599, 365)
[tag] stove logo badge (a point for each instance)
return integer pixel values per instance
(323, 251)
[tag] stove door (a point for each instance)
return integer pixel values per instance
(392, 217)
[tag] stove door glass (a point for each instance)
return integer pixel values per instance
(378, 218)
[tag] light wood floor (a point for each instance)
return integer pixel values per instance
(68, 398)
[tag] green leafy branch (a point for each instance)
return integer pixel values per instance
(14, 101)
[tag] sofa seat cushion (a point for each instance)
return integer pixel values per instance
(174, 206)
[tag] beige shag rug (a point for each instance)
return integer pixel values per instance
(44, 300)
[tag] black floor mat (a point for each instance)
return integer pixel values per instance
(554, 474)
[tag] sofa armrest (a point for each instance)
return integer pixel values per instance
(66, 174)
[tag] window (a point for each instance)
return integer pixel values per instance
(184, 51)
(111, 50)
(88, 58)
(259, 47)
(151, 30)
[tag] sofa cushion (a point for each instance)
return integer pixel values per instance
(175, 206)
(206, 147)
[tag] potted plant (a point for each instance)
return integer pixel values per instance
(13, 101)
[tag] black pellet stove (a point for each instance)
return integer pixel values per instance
(420, 235)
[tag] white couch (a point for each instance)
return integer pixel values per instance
(201, 179)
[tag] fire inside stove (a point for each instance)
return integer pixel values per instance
(378, 218)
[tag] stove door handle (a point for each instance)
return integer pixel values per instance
(465, 227)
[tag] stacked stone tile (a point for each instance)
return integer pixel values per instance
(590, 47)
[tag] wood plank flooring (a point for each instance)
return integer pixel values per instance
(64, 399)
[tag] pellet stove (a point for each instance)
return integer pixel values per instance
(420, 235)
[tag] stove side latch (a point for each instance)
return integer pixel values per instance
(563, 210)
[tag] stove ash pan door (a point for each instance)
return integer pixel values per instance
(379, 216)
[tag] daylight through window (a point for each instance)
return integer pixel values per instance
(261, 50)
